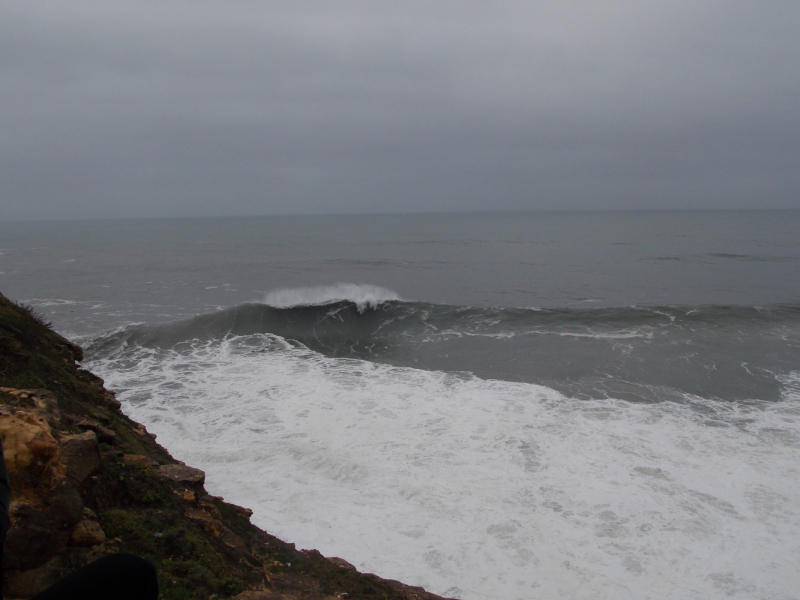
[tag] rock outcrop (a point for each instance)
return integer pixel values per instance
(87, 481)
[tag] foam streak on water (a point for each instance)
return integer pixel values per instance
(482, 489)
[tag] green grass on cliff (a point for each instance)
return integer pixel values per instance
(184, 558)
(26, 348)
(32, 355)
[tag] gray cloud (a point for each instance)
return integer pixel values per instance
(112, 109)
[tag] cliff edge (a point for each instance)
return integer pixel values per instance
(88, 481)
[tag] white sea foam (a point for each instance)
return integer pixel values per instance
(47, 302)
(363, 295)
(483, 489)
(616, 335)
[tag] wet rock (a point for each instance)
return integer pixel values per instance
(182, 474)
(81, 455)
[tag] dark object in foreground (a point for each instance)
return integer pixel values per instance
(114, 577)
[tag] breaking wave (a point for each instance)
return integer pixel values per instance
(362, 295)
(635, 353)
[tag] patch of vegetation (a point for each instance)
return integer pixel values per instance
(188, 565)
(34, 356)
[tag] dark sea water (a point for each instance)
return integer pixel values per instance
(578, 405)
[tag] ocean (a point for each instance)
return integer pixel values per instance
(492, 406)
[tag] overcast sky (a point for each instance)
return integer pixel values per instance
(168, 108)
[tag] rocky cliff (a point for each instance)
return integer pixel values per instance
(87, 481)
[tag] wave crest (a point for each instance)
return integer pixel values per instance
(362, 295)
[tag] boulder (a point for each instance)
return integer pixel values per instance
(182, 474)
(87, 533)
(104, 434)
(41, 527)
(44, 505)
(342, 563)
(81, 455)
(28, 444)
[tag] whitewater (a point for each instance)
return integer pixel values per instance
(554, 405)
(474, 488)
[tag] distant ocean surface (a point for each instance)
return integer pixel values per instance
(492, 406)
